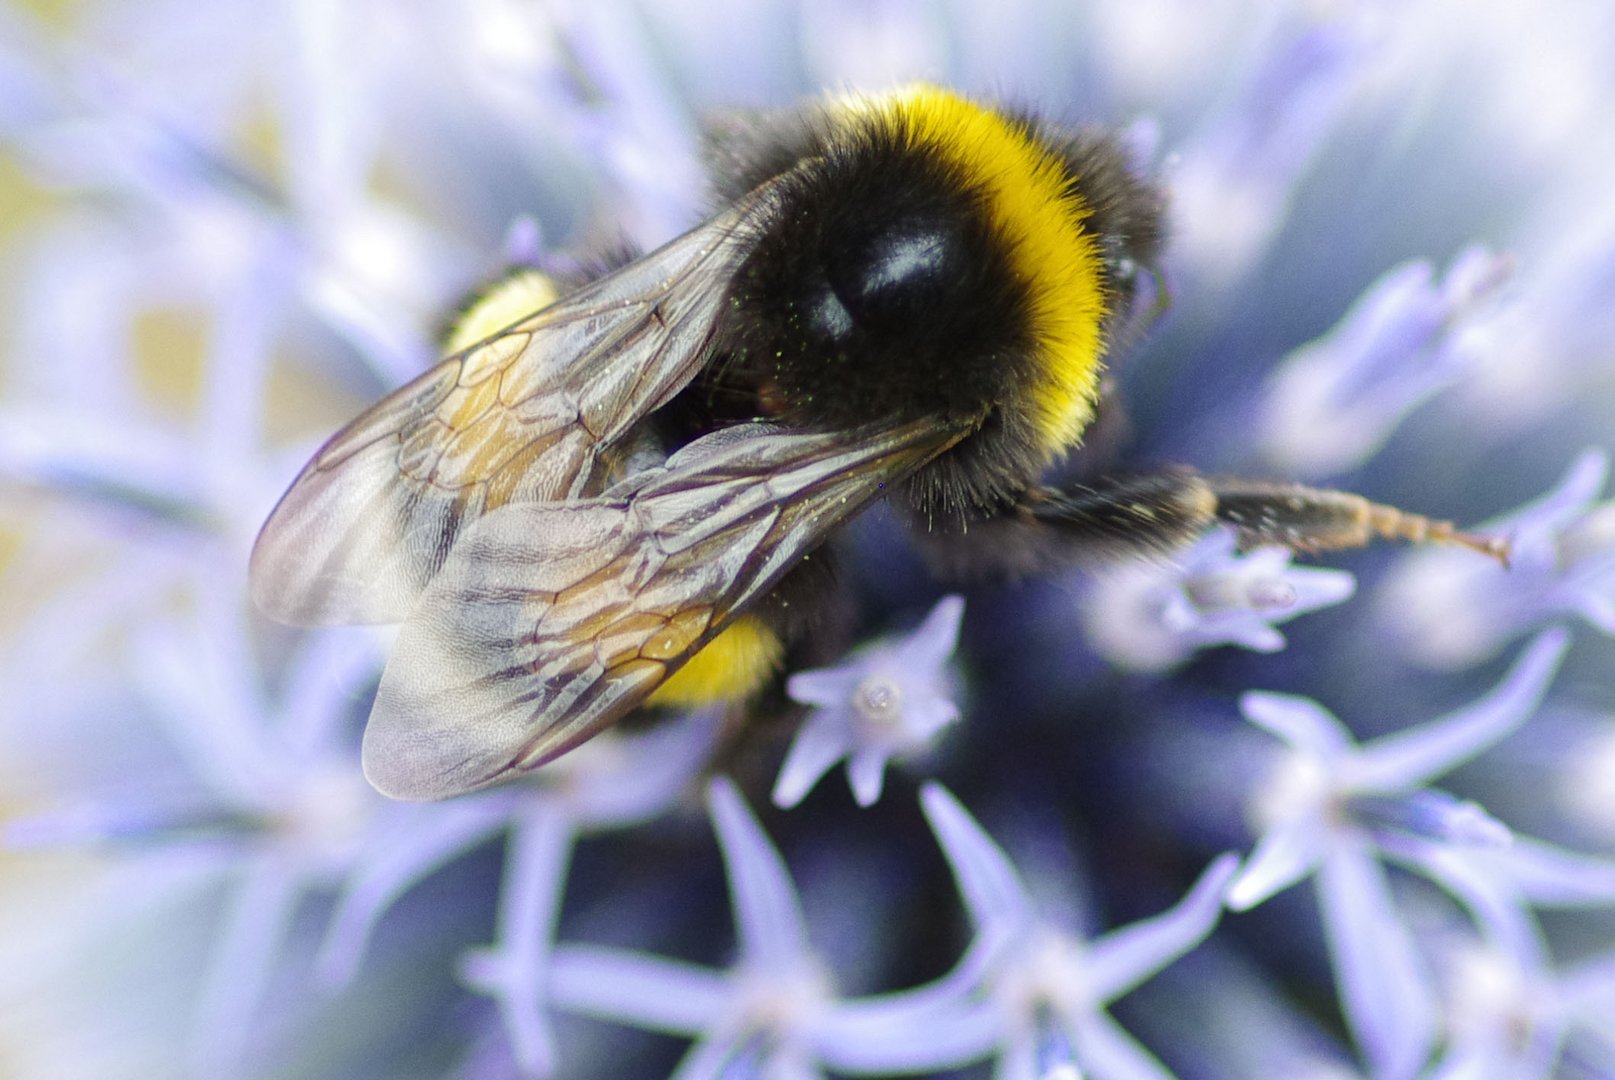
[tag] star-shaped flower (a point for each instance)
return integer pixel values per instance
(1153, 616)
(1450, 611)
(1044, 988)
(774, 1012)
(890, 700)
(1332, 403)
(268, 801)
(1329, 809)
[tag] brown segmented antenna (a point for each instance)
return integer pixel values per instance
(1394, 524)
(1323, 519)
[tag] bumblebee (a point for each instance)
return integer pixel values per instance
(614, 497)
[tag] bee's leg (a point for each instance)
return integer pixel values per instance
(1161, 511)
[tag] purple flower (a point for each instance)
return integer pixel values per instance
(1153, 616)
(1332, 403)
(1044, 986)
(264, 798)
(891, 699)
(613, 783)
(1332, 805)
(1233, 182)
(1510, 1011)
(1448, 612)
(775, 1011)
(226, 228)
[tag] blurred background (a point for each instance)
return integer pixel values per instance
(226, 227)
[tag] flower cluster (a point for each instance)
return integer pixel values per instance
(1109, 822)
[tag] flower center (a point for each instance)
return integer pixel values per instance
(878, 700)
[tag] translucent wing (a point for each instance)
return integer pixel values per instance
(550, 622)
(520, 417)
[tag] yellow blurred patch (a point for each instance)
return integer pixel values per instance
(169, 347)
(300, 403)
(54, 13)
(22, 202)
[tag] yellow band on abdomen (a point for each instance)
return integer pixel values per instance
(731, 667)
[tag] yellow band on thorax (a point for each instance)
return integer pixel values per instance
(1037, 214)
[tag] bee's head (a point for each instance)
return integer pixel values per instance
(927, 255)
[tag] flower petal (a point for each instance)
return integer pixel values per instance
(1108, 1052)
(647, 991)
(768, 919)
(1412, 757)
(822, 740)
(991, 888)
(1299, 721)
(1121, 959)
(417, 841)
(1284, 855)
(1387, 993)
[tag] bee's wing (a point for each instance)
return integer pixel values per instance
(551, 621)
(517, 418)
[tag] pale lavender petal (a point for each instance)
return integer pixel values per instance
(826, 687)
(324, 686)
(649, 146)
(1318, 587)
(1588, 987)
(1570, 498)
(1599, 611)
(941, 1025)
(1121, 959)
(768, 919)
(933, 642)
(1472, 878)
(991, 888)
(1018, 1058)
(647, 991)
(221, 744)
(1152, 616)
(1334, 402)
(1284, 855)
(721, 1056)
(1239, 597)
(1550, 876)
(1252, 634)
(925, 1040)
(865, 771)
(822, 740)
(233, 387)
(242, 963)
(419, 841)
(74, 449)
(1233, 186)
(1450, 611)
(1430, 814)
(1387, 993)
(1301, 722)
(923, 719)
(1107, 1052)
(524, 241)
(512, 971)
(1411, 757)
